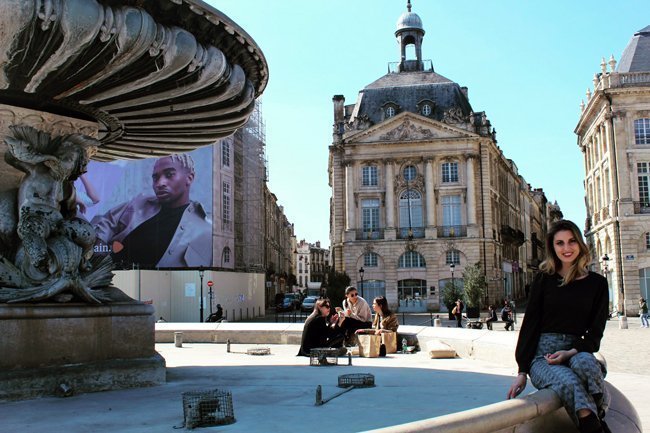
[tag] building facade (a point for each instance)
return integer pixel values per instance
(419, 184)
(614, 136)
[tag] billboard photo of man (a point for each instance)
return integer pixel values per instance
(164, 229)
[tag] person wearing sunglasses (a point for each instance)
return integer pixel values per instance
(321, 329)
(356, 314)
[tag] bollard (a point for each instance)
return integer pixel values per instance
(178, 339)
(437, 323)
(319, 396)
(349, 358)
(228, 345)
(622, 322)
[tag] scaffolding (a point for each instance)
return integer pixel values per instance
(250, 171)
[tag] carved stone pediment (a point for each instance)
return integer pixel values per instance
(408, 127)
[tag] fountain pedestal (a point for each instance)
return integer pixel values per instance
(88, 348)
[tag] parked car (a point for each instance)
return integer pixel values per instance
(308, 303)
(291, 301)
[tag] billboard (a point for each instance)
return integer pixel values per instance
(151, 213)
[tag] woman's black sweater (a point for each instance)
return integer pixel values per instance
(580, 308)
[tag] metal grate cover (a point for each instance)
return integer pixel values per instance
(324, 356)
(259, 351)
(358, 380)
(207, 408)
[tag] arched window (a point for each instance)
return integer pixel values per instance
(453, 257)
(390, 111)
(226, 255)
(411, 259)
(410, 213)
(426, 110)
(370, 260)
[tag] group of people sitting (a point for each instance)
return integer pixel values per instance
(507, 316)
(336, 329)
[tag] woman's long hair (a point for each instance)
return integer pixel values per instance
(552, 263)
(383, 304)
(319, 303)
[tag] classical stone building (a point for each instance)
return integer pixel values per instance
(614, 136)
(419, 184)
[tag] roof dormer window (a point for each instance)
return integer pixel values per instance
(389, 109)
(425, 107)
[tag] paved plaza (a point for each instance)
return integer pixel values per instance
(276, 393)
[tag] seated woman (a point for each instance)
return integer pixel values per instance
(321, 329)
(492, 317)
(384, 321)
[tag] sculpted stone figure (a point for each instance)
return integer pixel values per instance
(46, 249)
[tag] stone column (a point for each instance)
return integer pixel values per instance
(428, 191)
(390, 194)
(471, 191)
(429, 198)
(349, 197)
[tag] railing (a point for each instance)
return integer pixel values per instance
(413, 232)
(635, 78)
(452, 231)
(641, 207)
(368, 235)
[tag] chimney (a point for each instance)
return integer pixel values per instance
(339, 116)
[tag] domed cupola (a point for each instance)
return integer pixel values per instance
(410, 32)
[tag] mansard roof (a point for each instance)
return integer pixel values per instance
(406, 90)
(636, 56)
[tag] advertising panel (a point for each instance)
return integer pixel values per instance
(151, 213)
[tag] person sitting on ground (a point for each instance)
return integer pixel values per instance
(384, 321)
(492, 317)
(356, 313)
(321, 329)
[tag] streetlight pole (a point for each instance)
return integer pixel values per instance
(361, 271)
(451, 268)
(201, 272)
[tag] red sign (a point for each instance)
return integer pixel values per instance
(210, 284)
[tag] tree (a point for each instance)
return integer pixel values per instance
(475, 284)
(338, 281)
(450, 293)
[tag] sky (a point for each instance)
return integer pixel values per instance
(527, 64)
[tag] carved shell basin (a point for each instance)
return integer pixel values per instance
(157, 76)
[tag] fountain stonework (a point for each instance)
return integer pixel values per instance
(103, 80)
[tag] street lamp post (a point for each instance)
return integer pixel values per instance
(605, 260)
(451, 268)
(361, 271)
(201, 272)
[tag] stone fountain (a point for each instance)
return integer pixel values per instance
(108, 79)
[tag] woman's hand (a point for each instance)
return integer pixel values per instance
(560, 357)
(518, 385)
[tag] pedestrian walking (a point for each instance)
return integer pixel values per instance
(643, 312)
